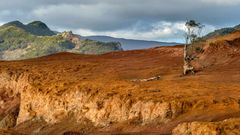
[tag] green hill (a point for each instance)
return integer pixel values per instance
(222, 32)
(37, 28)
(19, 41)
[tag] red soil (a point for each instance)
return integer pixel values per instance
(218, 77)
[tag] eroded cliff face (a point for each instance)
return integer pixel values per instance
(92, 102)
(99, 110)
(86, 102)
(226, 127)
(11, 85)
(108, 110)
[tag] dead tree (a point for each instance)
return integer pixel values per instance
(193, 31)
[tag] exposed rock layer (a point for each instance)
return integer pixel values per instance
(226, 127)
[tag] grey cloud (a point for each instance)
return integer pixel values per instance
(114, 15)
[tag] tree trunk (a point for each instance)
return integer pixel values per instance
(186, 62)
(185, 59)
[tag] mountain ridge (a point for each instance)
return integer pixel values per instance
(20, 41)
(130, 44)
(222, 32)
(37, 28)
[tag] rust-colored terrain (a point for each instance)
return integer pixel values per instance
(106, 94)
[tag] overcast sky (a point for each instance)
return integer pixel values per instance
(161, 20)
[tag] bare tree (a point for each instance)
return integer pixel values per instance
(193, 33)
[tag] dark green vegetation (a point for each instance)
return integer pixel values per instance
(91, 46)
(37, 28)
(19, 41)
(222, 32)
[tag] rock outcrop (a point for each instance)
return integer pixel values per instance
(10, 120)
(226, 127)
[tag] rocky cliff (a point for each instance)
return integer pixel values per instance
(104, 106)
(226, 127)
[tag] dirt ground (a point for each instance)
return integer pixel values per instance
(217, 79)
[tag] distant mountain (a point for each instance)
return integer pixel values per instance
(37, 28)
(222, 32)
(130, 44)
(20, 41)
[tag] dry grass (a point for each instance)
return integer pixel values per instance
(111, 74)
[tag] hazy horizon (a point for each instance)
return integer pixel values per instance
(158, 20)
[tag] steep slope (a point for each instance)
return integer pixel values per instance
(131, 44)
(220, 51)
(19, 41)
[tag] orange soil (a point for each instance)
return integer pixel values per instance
(217, 80)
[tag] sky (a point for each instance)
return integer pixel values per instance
(161, 20)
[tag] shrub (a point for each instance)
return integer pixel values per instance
(199, 50)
